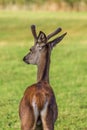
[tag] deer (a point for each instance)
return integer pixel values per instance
(38, 108)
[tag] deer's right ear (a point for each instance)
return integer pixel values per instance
(56, 41)
(42, 37)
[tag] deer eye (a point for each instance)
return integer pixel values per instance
(31, 51)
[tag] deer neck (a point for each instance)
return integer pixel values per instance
(43, 68)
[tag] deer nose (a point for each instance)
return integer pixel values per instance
(24, 59)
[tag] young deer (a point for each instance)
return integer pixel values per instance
(38, 108)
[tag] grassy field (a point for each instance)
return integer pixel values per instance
(68, 72)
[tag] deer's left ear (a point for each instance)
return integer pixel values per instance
(42, 37)
(56, 41)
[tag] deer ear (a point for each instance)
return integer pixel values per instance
(57, 40)
(42, 37)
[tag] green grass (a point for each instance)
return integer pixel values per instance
(68, 72)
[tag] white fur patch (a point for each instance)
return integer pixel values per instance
(43, 116)
(35, 109)
(44, 110)
(36, 112)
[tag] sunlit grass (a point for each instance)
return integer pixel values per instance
(68, 72)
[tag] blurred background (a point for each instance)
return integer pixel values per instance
(78, 5)
(68, 70)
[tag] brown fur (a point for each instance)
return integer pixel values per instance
(42, 93)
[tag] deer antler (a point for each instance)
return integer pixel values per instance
(54, 33)
(57, 40)
(34, 32)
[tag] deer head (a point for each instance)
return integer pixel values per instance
(42, 45)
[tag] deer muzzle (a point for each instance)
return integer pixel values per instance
(26, 60)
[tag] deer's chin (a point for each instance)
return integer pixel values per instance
(26, 62)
